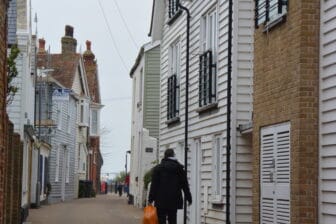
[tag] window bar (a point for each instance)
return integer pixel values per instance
(173, 96)
(267, 10)
(200, 82)
(204, 80)
(210, 76)
(168, 100)
(256, 9)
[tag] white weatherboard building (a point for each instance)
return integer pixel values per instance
(208, 102)
(145, 118)
(327, 136)
(21, 107)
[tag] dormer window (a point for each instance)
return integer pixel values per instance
(270, 12)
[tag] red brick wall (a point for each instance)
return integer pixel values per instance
(286, 89)
(13, 176)
(3, 50)
(95, 167)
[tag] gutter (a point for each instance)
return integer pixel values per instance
(186, 105)
(228, 115)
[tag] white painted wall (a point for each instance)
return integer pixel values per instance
(21, 110)
(205, 127)
(327, 136)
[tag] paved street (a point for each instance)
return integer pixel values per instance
(103, 209)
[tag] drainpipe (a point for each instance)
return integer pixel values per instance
(228, 115)
(186, 106)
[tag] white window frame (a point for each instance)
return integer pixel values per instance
(57, 167)
(273, 13)
(67, 165)
(59, 116)
(95, 158)
(93, 124)
(209, 41)
(68, 126)
(217, 169)
(174, 59)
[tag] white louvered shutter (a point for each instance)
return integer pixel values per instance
(275, 174)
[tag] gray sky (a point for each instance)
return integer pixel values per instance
(86, 16)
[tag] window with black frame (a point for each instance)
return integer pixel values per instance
(207, 60)
(268, 11)
(173, 82)
(173, 9)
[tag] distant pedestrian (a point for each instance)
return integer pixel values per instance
(120, 189)
(168, 181)
(116, 187)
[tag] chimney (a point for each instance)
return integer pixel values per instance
(69, 44)
(41, 48)
(88, 55)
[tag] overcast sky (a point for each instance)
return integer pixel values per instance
(115, 52)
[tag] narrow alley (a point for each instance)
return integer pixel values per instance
(103, 209)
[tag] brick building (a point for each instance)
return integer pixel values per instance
(95, 157)
(285, 109)
(3, 54)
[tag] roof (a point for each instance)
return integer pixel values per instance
(64, 66)
(137, 61)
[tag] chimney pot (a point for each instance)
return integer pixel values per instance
(69, 31)
(42, 44)
(88, 45)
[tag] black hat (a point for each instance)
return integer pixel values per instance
(169, 153)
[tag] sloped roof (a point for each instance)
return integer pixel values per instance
(64, 65)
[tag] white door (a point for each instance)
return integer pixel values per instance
(195, 182)
(275, 174)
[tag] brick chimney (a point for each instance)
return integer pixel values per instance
(69, 43)
(88, 55)
(41, 49)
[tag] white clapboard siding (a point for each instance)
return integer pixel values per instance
(205, 127)
(61, 138)
(275, 174)
(327, 136)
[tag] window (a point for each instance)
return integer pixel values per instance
(94, 158)
(207, 60)
(94, 122)
(173, 10)
(268, 11)
(59, 116)
(67, 164)
(84, 112)
(173, 88)
(217, 169)
(68, 119)
(57, 167)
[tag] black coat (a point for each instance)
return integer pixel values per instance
(168, 181)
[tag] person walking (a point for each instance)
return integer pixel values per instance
(120, 189)
(168, 181)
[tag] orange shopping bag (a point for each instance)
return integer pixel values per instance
(150, 215)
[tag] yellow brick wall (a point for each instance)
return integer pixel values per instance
(286, 89)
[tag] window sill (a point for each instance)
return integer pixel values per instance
(172, 19)
(275, 22)
(172, 121)
(207, 108)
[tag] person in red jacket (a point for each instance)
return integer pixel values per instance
(168, 181)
